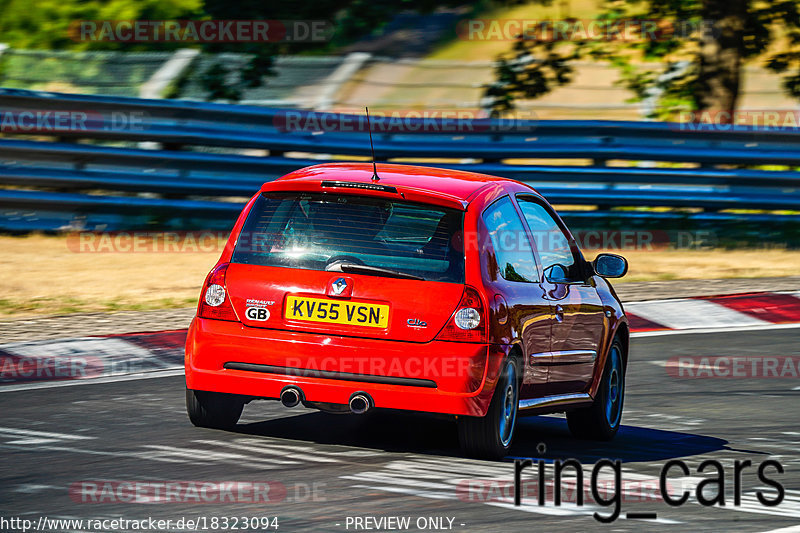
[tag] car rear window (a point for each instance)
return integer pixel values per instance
(333, 232)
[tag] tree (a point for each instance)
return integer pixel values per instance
(532, 69)
(701, 43)
(352, 20)
(49, 26)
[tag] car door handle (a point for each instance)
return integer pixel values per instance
(559, 313)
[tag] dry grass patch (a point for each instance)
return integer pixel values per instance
(709, 264)
(44, 277)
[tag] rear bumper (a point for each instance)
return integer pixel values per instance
(438, 376)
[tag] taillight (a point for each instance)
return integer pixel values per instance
(468, 322)
(215, 302)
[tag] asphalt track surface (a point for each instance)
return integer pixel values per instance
(326, 470)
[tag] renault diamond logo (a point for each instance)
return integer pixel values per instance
(339, 286)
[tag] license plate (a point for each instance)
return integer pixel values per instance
(337, 312)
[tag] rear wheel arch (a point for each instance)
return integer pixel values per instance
(516, 353)
(602, 419)
(490, 436)
(623, 334)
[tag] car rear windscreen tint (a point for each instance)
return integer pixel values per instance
(354, 234)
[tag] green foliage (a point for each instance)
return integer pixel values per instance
(215, 80)
(696, 39)
(534, 69)
(49, 24)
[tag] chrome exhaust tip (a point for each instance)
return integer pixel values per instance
(291, 396)
(360, 403)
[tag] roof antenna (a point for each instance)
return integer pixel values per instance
(372, 148)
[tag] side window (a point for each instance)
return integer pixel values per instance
(510, 242)
(558, 260)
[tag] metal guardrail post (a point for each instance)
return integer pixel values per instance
(349, 67)
(154, 87)
(3, 48)
(169, 71)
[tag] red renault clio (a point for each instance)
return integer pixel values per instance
(414, 288)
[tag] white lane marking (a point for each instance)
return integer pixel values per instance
(790, 529)
(471, 465)
(713, 330)
(586, 509)
(50, 436)
(27, 442)
(32, 488)
(789, 507)
(373, 477)
(175, 371)
(123, 455)
(427, 470)
(691, 314)
(400, 490)
(354, 453)
(285, 449)
(206, 455)
(261, 448)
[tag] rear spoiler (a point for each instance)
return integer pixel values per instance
(359, 185)
(368, 188)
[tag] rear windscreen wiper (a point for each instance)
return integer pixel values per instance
(376, 271)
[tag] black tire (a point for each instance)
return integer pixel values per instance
(490, 436)
(213, 409)
(602, 419)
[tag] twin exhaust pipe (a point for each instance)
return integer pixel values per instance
(291, 396)
(360, 402)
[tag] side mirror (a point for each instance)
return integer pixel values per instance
(555, 273)
(610, 265)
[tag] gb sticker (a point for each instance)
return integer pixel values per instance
(257, 313)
